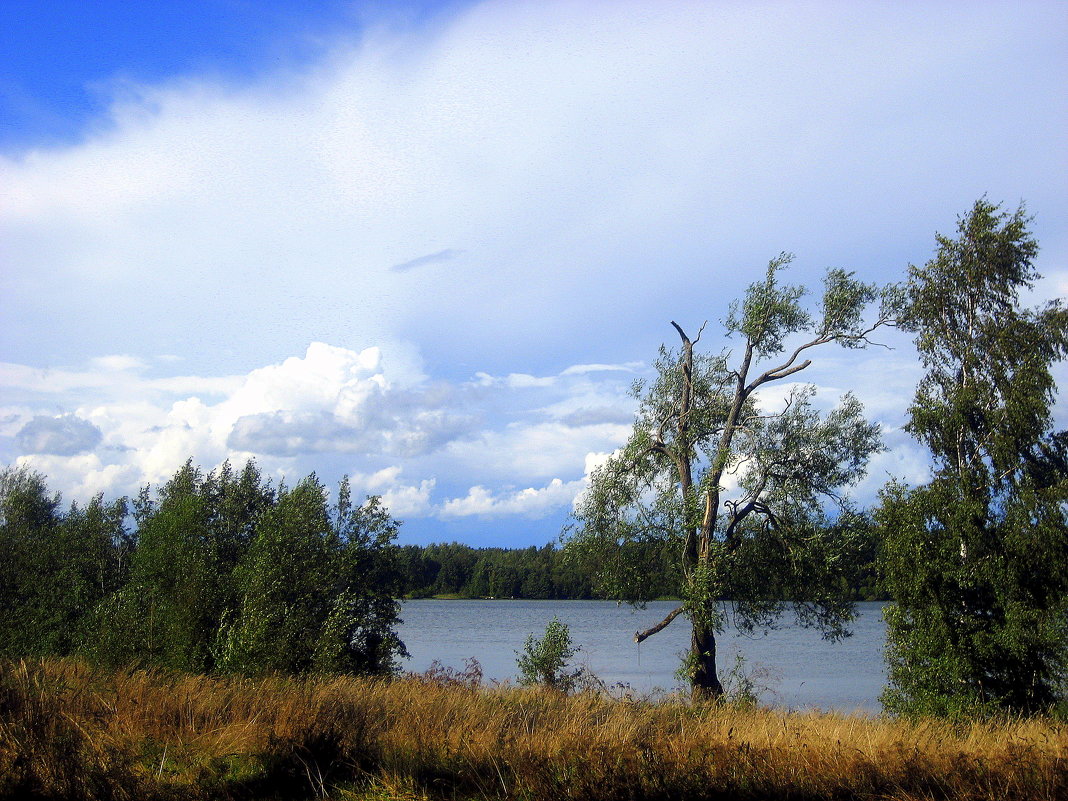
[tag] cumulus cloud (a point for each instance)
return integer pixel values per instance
(378, 427)
(402, 500)
(332, 409)
(66, 435)
(529, 502)
(334, 399)
(532, 502)
(292, 433)
(84, 475)
(330, 400)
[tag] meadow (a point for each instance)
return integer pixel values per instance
(68, 730)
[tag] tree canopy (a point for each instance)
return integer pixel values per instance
(220, 572)
(977, 559)
(739, 484)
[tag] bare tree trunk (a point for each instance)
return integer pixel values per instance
(705, 681)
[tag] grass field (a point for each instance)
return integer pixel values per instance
(69, 731)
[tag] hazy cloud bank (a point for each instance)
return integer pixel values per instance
(490, 218)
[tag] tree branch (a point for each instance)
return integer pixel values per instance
(783, 372)
(686, 339)
(778, 372)
(663, 624)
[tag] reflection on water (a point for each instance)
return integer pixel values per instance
(796, 666)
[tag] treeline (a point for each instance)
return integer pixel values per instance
(222, 572)
(551, 572)
(216, 572)
(537, 573)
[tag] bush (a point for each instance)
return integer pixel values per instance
(545, 661)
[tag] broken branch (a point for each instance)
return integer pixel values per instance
(642, 635)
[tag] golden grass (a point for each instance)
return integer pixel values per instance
(68, 731)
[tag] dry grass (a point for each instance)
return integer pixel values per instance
(67, 731)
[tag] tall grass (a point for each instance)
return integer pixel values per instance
(68, 731)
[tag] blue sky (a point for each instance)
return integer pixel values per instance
(63, 58)
(431, 245)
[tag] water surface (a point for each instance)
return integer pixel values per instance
(795, 667)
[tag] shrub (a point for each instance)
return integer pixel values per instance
(545, 661)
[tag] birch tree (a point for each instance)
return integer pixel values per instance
(977, 560)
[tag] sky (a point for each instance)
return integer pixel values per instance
(432, 245)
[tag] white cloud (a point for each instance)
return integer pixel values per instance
(117, 363)
(522, 193)
(601, 168)
(514, 380)
(522, 381)
(409, 501)
(582, 369)
(83, 476)
(402, 500)
(331, 400)
(529, 502)
(330, 410)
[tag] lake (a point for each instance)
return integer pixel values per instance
(796, 668)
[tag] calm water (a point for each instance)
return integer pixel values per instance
(796, 667)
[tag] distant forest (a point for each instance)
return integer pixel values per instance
(548, 572)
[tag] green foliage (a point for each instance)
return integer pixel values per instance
(166, 612)
(284, 580)
(734, 490)
(769, 312)
(92, 550)
(460, 570)
(545, 661)
(222, 573)
(54, 566)
(29, 518)
(317, 587)
(977, 560)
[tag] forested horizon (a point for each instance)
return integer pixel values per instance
(450, 569)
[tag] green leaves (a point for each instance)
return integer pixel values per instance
(224, 573)
(977, 560)
(316, 587)
(769, 312)
(736, 489)
(844, 302)
(544, 661)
